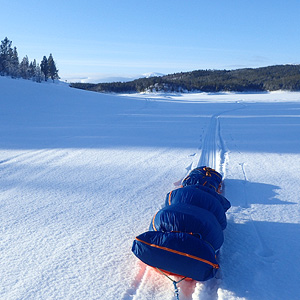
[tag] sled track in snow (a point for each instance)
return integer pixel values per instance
(214, 155)
(132, 292)
(213, 152)
(213, 148)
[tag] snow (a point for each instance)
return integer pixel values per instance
(106, 78)
(152, 74)
(83, 173)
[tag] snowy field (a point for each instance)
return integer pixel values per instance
(83, 173)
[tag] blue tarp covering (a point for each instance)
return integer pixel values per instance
(170, 250)
(191, 219)
(185, 235)
(204, 176)
(196, 196)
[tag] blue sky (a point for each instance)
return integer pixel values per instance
(101, 38)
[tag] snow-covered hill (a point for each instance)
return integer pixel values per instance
(102, 78)
(83, 173)
(152, 74)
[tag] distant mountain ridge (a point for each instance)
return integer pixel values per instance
(152, 74)
(271, 78)
(103, 78)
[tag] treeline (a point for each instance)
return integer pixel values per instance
(280, 77)
(11, 66)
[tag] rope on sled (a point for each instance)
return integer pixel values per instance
(174, 282)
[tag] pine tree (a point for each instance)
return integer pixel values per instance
(32, 69)
(45, 67)
(24, 68)
(5, 52)
(38, 74)
(10, 65)
(14, 64)
(53, 72)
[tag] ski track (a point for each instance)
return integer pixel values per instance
(134, 289)
(214, 155)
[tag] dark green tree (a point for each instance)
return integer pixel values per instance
(38, 74)
(45, 68)
(53, 72)
(24, 68)
(14, 64)
(5, 56)
(32, 69)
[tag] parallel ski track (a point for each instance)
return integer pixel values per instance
(133, 291)
(214, 155)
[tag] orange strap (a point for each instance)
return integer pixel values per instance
(153, 222)
(170, 197)
(215, 266)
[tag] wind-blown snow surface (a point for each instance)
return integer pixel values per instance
(83, 173)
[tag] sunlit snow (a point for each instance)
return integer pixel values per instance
(82, 174)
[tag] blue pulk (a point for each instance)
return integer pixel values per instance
(185, 236)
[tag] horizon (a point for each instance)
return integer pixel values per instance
(126, 39)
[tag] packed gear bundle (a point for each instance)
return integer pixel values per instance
(185, 236)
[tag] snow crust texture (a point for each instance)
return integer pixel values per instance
(82, 174)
